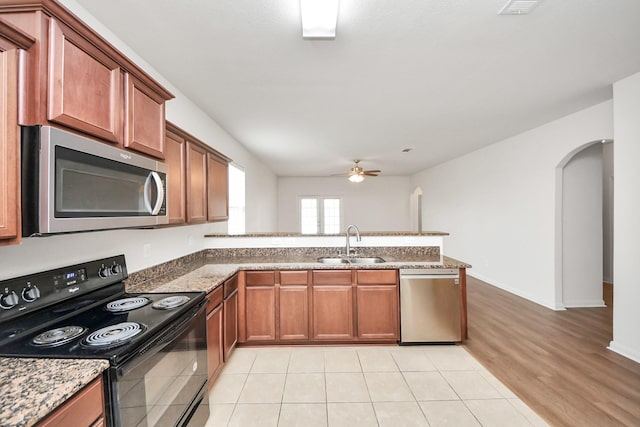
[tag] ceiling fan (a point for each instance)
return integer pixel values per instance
(357, 174)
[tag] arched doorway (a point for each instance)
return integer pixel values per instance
(415, 204)
(579, 227)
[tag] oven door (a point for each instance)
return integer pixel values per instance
(165, 383)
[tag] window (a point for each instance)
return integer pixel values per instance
(236, 224)
(320, 215)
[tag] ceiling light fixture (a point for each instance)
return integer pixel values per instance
(356, 178)
(319, 18)
(518, 7)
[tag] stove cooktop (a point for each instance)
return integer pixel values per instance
(90, 325)
(82, 311)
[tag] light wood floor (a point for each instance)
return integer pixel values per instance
(555, 361)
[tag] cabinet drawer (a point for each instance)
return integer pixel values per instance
(377, 277)
(215, 298)
(260, 278)
(83, 409)
(332, 277)
(293, 277)
(230, 286)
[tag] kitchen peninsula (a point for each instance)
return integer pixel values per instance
(283, 273)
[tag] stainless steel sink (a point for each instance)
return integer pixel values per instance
(332, 260)
(350, 260)
(366, 260)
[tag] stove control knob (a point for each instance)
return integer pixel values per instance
(116, 269)
(30, 293)
(8, 299)
(104, 272)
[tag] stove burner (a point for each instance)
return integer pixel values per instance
(113, 335)
(127, 304)
(171, 302)
(58, 336)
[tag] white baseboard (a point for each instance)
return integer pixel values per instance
(628, 352)
(528, 297)
(585, 303)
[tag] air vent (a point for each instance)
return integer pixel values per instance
(518, 7)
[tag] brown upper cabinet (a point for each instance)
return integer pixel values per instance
(176, 161)
(217, 188)
(196, 183)
(76, 79)
(198, 179)
(12, 43)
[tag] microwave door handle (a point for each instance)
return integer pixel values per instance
(159, 191)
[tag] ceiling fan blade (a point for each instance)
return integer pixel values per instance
(373, 171)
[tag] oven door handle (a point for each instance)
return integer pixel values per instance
(159, 343)
(147, 193)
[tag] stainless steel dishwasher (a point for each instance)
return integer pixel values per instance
(429, 305)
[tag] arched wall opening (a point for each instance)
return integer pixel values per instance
(415, 203)
(579, 227)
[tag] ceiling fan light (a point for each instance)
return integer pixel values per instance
(319, 18)
(356, 178)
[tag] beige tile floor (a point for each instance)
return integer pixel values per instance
(362, 386)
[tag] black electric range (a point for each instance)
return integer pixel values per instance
(82, 311)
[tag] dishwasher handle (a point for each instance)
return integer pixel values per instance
(429, 276)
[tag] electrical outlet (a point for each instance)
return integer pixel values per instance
(190, 240)
(146, 250)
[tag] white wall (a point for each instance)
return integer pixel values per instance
(376, 204)
(582, 229)
(498, 203)
(626, 148)
(607, 211)
(165, 244)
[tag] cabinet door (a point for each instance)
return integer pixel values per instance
(85, 89)
(230, 324)
(218, 188)
(196, 183)
(9, 148)
(260, 305)
(215, 355)
(84, 409)
(144, 126)
(293, 313)
(377, 305)
(176, 186)
(293, 306)
(377, 312)
(332, 307)
(332, 312)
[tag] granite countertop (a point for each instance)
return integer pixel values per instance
(32, 388)
(362, 233)
(206, 275)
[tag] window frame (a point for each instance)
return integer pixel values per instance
(320, 214)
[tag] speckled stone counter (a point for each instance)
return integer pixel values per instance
(32, 388)
(362, 233)
(205, 271)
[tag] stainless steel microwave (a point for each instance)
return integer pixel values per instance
(72, 183)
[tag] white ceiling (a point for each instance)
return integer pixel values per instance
(443, 77)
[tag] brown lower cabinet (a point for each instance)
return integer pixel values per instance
(377, 304)
(260, 306)
(215, 343)
(222, 326)
(319, 306)
(230, 315)
(293, 306)
(84, 409)
(332, 305)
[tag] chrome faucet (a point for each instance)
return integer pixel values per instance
(348, 245)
